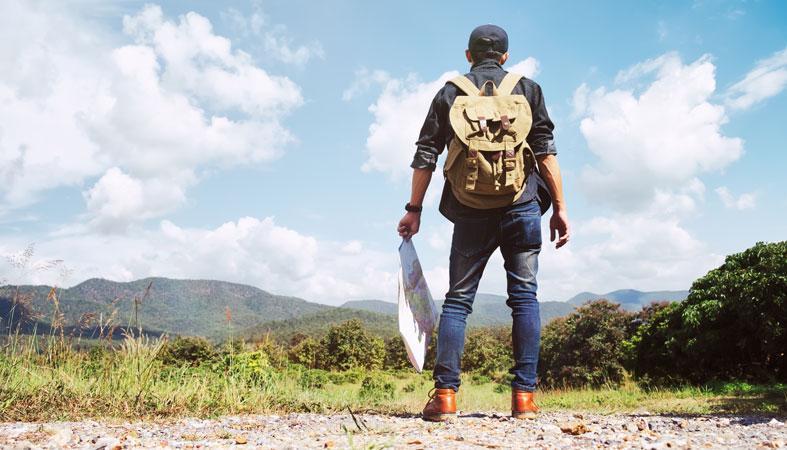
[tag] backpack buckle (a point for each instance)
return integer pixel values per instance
(505, 123)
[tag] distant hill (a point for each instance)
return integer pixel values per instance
(317, 325)
(184, 307)
(488, 309)
(630, 299)
(378, 306)
(198, 308)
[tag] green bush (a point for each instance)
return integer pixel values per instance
(254, 365)
(488, 351)
(375, 389)
(478, 379)
(192, 351)
(586, 347)
(731, 326)
(396, 354)
(305, 352)
(409, 387)
(313, 379)
(276, 354)
(349, 345)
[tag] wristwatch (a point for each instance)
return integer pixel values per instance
(411, 208)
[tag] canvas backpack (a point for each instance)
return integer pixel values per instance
(488, 159)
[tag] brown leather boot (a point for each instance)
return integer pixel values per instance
(441, 405)
(522, 405)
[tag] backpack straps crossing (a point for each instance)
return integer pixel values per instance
(465, 85)
(509, 83)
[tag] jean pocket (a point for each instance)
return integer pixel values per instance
(523, 230)
(471, 237)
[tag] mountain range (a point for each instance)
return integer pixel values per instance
(630, 299)
(214, 309)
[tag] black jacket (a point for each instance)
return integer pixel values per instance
(436, 132)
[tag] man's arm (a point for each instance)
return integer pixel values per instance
(430, 143)
(549, 170)
(411, 221)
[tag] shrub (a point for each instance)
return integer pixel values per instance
(488, 351)
(376, 389)
(585, 348)
(254, 366)
(731, 326)
(313, 379)
(192, 351)
(276, 354)
(349, 345)
(478, 379)
(396, 354)
(305, 352)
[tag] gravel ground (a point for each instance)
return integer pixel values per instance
(488, 430)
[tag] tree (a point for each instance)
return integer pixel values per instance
(396, 354)
(305, 352)
(488, 351)
(349, 345)
(731, 326)
(585, 348)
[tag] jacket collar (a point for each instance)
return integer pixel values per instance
(486, 64)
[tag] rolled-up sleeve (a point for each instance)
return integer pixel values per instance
(540, 138)
(431, 140)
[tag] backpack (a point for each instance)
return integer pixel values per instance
(488, 159)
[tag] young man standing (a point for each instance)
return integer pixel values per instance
(498, 131)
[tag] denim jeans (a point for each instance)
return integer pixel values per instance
(518, 234)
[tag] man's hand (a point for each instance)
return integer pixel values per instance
(409, 225)
(558, 227)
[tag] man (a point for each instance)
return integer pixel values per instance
(481, 227)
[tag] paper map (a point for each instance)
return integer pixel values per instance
(417, 312)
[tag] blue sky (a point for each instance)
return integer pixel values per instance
(268, 142)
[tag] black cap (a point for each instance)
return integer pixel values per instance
(488, 37)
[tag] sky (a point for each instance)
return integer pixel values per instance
(269, 142)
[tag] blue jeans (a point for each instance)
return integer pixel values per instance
(518, 234)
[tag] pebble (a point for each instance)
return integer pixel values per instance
(469, 430)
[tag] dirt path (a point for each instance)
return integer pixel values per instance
(490, 430)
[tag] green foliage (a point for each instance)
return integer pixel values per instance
(275, 353)
(192, 351)
(479, 379)
(317, 325)
(488, 351)
(349, 346)
(409, 387)
(731, 326)
(375, 389)
(585, 348)
(396, 354)
(305, 352)
(313, 379)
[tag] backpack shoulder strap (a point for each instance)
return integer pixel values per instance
(509, 83)
(465, 85)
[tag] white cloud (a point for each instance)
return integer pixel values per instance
(529, 67)
(280, 47)
(654, 139)
(276, 41)
(158, 112)
(743, 201)
(767, 79)
(364, 80)
(117, 199)
(399, 113)
(249, 250)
